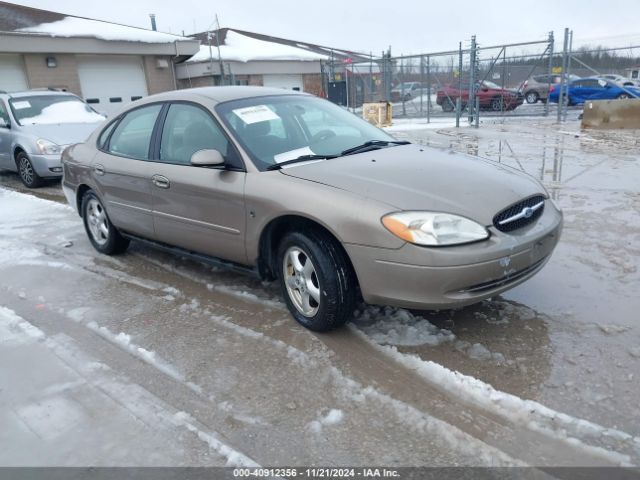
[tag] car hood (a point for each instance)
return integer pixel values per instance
(63, 133)
(423, 178)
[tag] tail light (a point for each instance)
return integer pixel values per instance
(524, 85)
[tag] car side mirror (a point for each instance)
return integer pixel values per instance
(207, 158)
(4, 123)
(484, 89)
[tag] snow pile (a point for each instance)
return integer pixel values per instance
(22, 216)
(334, 417)
(10, 322)
(528, 413)
(85, 27)
(241, 48)
(396, 326)
(123, 340)
(234, 457)
(72, 111)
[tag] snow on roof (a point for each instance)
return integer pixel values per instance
(72, 111)
(85, 27)
(241, 48)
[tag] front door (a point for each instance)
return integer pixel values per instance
(198, 208)
(6, 160)
(122, 171)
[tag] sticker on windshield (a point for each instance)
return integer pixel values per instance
(292, 154)
(21, 105)
(258, 113)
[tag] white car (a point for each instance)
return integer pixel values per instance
(620, 80)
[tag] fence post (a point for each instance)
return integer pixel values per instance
(472, 80)
(458, 111)
(404, 107)
(429, 89)
(421, 84)
(477, 122)
(549, 73)
(563, 77)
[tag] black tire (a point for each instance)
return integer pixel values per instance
(112, 242)
(334, 278)
(623, 96)
(26, 172)
(532, 97)
(448, 105)
(497, 104)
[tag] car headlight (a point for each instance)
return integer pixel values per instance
(46, 147)
(433, 228)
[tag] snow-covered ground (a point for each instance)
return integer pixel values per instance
(207, 367)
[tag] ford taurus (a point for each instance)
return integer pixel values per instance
(294, 188)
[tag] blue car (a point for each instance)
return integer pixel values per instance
(592, 88)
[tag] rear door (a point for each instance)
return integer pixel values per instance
(197, 208)
(122, 170)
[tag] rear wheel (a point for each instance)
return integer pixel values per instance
(26, 171)
(622, 96)
(448, 105)
(532, 97)
(104, 237)
(317, 280)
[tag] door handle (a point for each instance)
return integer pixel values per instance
(99, 169)
(160, 181)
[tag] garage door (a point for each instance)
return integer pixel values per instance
(12, 77)
(288, 82)
(108, 82)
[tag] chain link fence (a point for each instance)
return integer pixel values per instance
(475, 80)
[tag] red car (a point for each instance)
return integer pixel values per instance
(492, 97)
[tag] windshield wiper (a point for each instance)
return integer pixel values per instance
(302, 158)
(372, 145)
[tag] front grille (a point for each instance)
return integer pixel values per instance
(516, 210)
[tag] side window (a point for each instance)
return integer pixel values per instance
(104, 136)
(132, 136)
(3, 113)
(188, 129)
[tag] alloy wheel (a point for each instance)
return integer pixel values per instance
(26, 171)
(301, 280)
(97, 222)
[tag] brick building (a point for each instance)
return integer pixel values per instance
(105, 63)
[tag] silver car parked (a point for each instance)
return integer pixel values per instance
(292, 187)
(36, 126)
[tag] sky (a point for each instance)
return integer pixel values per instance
(408, 26)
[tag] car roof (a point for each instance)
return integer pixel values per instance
(221, 94)
(35, 93)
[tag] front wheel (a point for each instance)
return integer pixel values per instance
(317, 280)
(532, 97)
(26, 171)
(623, 96)
(104, 237)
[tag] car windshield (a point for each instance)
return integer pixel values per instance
(405, 86)
(52, 109)
(489, 84)
(277, 129)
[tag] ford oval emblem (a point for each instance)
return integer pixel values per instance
(527, 212)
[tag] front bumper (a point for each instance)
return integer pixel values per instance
(47, 166)
(447, 277)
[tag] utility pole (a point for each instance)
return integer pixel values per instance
(213, 78)
(222, 78)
